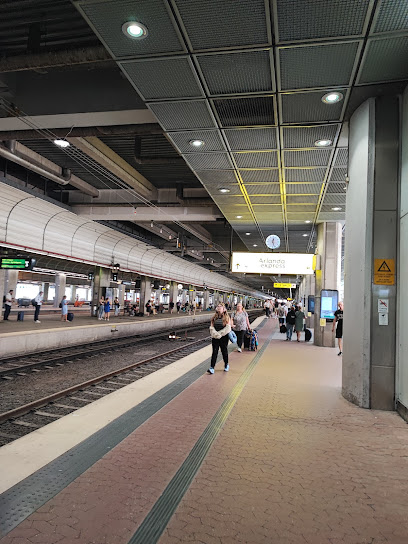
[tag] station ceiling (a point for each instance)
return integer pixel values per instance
(247, 78)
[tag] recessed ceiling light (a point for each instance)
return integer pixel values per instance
(323, 143)
(196, 143)
(337, 209)
(332, 98)
(134, 30)
(305, 235)
(238, 216)
(345, 187)
(248, 233)
(223, 190)
(255, 245)
(61, 143)
(308, 221)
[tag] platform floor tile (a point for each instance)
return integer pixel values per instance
(297, 464)
(107, 503)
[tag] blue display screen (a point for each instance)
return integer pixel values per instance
(310, 304)
(329, 300)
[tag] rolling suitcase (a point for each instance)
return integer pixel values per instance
(308, 335)
(70, 316)
(282, 329)
(20, 316)
(254, 341)
(247, 340)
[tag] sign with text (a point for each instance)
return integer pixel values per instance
(328, 303)
(285, 285)
(384, 271)
(17, 264)
(272, 263)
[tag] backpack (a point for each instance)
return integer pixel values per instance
(60, 304)
(4, 299)
(34, 302)
(253, 344)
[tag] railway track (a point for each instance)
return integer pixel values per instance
(29, 417)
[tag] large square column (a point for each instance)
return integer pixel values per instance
(371, 240)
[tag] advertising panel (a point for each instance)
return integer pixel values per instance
(329, 301)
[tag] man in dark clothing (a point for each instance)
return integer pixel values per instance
(290, 322)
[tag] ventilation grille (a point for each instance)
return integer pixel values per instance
(317, 65)
(187, 114)
(341, 158)
(303, 174)
(211, 138)
(261, 159)
(243, 72)
(213, 24)
(106, 16)
(340, 200)
(303, 188)
(337, 188)
(257, 176)
(265, 200)
(315, 157)
(386, 60)
(246, 111)
(338, 174)
(309, 108)
(208, 161)
(221, 177)
(299, 137)
(163, 78)
(251, 139)
(303, 199)
(264, 189)
(310, 20)
(393, 15)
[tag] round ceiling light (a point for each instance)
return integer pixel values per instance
(223, 190)
(305, 235)
(134, 30)
(332, 98)
(308, 221)
(337, 209)
(238, 216)
(61, 143)
(323, 143)
(248, 233)
(196, 143)
(255, 245)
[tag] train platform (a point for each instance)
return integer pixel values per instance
(19, 337)
(268, 452)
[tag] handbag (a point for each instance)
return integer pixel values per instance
(233, 337)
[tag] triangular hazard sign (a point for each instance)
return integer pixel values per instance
(384, 267)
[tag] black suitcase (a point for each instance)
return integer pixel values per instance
(20, 316)
(70, 316)
(282, 329)
(247, 340)
(308, 335)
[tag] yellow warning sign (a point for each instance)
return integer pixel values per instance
(285, 285)
(384, 271)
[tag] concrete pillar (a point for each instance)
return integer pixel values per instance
(46, 290)
(11, 278)
(328, 277)
(206, 301)
(100, 283)
(372, 229)
(121, 296)
(60, 284)
(184, 297)
(145, 293)
(174, 292)
(2, 285)
(73, 292)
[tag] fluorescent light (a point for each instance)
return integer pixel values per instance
(223, 190)
(196, 143)
(332, 98)
(323, 143)
(134, 30)
(337, 209)
(61, 143)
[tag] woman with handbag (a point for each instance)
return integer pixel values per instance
(240, 323)
(219, 330)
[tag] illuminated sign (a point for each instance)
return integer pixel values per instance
(329, 299)
(285, 285)
(17, 264)
(272, 263)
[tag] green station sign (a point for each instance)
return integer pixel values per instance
(16, 264)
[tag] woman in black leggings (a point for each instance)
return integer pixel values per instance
(219, 329)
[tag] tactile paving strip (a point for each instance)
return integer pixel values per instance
(156, 521)
(26, 497)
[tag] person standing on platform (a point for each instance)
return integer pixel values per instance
(116, 305)
(171, 306)
(267, 307)
(281, 314)
(299, 322)
(38, 303)
(338, 318)
(106, 309)
(219, 329)
(290, 322)
(240, 323)
(148, 307)
(64, 308)
(7, 304)
(101, 307)
(178, 306)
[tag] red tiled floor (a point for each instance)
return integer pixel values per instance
(106, 504)
(296, 464)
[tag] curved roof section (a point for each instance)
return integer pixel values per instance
(30, 223)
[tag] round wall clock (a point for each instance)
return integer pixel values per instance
(273, 241)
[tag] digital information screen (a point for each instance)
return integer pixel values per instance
(311, 304)
(15, 264)
(328, 303)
